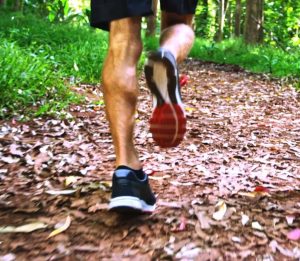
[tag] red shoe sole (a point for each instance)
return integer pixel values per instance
(168, 125)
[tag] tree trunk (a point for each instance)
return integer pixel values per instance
(229, 16)
(223, 4)
(18, 5)
(254, 21)
(3, 3)
(151, 21)
(237, 25)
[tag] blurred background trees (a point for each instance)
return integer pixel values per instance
(48, 45)
(54, 10)
(257, 21)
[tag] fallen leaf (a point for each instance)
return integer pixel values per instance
(236, 239)
(188, 252)
(70, 180)
(97, 207)
(159, 178)
(39, 160)
(8, 257)
(28, 228)
(189, 109)
(177, 183)
(290, 220)
(203, 219)
(261, 189)
(275, 221)
(170, 204)
(87, 248)
(286, 252)
(182, 225)
(9, 159)
(151, 172)
(61, 192)
(105, 185)
(79, 204)
(15, 150)
(87, 169)
(245, 219)
(201, 233)
(61, 228)
(183, 79)
(255, 194)
(220, 213)
(294, 234)
(257, 226)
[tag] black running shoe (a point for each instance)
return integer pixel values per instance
(131, 191)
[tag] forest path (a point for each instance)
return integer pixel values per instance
(243, 135)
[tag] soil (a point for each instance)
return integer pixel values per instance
(229, 191)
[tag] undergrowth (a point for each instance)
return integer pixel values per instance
(257, 59)
(29, 83)
(76, 51)
(39, 60)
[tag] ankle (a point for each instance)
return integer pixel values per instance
(133, 164)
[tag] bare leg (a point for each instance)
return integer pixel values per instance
(177, 35)
(120, 87)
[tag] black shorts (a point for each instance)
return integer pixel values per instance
(105, 11)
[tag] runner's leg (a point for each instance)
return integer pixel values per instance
(177, 34)
(120, 87)
(168, 120)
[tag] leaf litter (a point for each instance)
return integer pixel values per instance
(230, 191)
(28, 228)
(61, 227)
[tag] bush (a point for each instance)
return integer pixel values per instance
(76, 51)
(260, 59)
(38, 59)
(28, 82)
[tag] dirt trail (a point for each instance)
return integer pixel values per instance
(243, 135)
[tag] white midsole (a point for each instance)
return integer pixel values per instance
(131, 202)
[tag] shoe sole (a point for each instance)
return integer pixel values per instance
(168, 121)
(130, 204)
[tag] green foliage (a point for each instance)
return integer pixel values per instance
(263, 59)
(258, 59)
(76, 51)
(205, 19)
(61, 11)
(39, 58)
(28, 82)
(58, 10)
(282, 23)
(151, 43)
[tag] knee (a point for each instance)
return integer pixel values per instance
(181, 29)
(185, 27)
(183, 33)
(189, 32)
